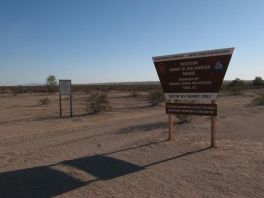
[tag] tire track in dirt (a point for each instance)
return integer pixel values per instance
(71, 129)
(107, 131)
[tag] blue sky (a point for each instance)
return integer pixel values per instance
(93, 41)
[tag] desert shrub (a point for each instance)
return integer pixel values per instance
(258, 81)
(19, 90)
(155, 97)
(259, 100)
(51, 83)
(44, 101)
(183, 118)
(236, 86)
(134, 94)
(98, 102)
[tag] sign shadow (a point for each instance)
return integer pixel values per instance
(48, 181)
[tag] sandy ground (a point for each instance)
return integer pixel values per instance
(125, 152)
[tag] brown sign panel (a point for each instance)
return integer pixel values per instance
(192, 109)
(193, 76)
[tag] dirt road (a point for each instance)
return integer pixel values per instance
(125, 152)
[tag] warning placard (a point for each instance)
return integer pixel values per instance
(192, 109)
(193, 76)
(65, 87)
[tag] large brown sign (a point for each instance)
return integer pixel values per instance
(193, 76)
(192, 109)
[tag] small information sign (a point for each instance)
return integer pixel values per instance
(65, 87)
(192, 109)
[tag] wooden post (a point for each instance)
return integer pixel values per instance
(213, 128)
(71, 104)
(60, 107)
(170, 127)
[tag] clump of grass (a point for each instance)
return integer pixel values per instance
(97, 103)
(44, 101)
(259, 100)
(156, 97)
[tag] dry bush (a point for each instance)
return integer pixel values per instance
(236, 86)
(259, 100)
(44, 101)
(134, 94)
(155, 97)
(183, 118)
(258, 81)
(19, 90)
(97, 103)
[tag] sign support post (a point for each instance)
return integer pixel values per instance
(60, 107)
(65, 89)
(213, 128)
(170, 127)
(71, 104)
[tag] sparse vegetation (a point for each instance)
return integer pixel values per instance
(51, 83)
(19, 90)
(259, 100)
(258, 81)
(134, 94)
(183, 118)
(155, 97)
(44, 101)
(98, 102)
(236, 86)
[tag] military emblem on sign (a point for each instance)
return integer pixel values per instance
(161, 68)
(218, 66)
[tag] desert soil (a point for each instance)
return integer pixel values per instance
(125, 152)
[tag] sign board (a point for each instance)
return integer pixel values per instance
(65, 87)
(194, 75)
(192, 109)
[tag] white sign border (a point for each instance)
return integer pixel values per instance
(197, 54)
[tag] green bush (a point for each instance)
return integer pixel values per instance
(97, 103)
(259, 100)
(236, 86)
(156, 97)
(51, 83)
(258, 81)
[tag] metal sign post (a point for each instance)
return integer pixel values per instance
(71, 105)
(65, 89)
(190, 78)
